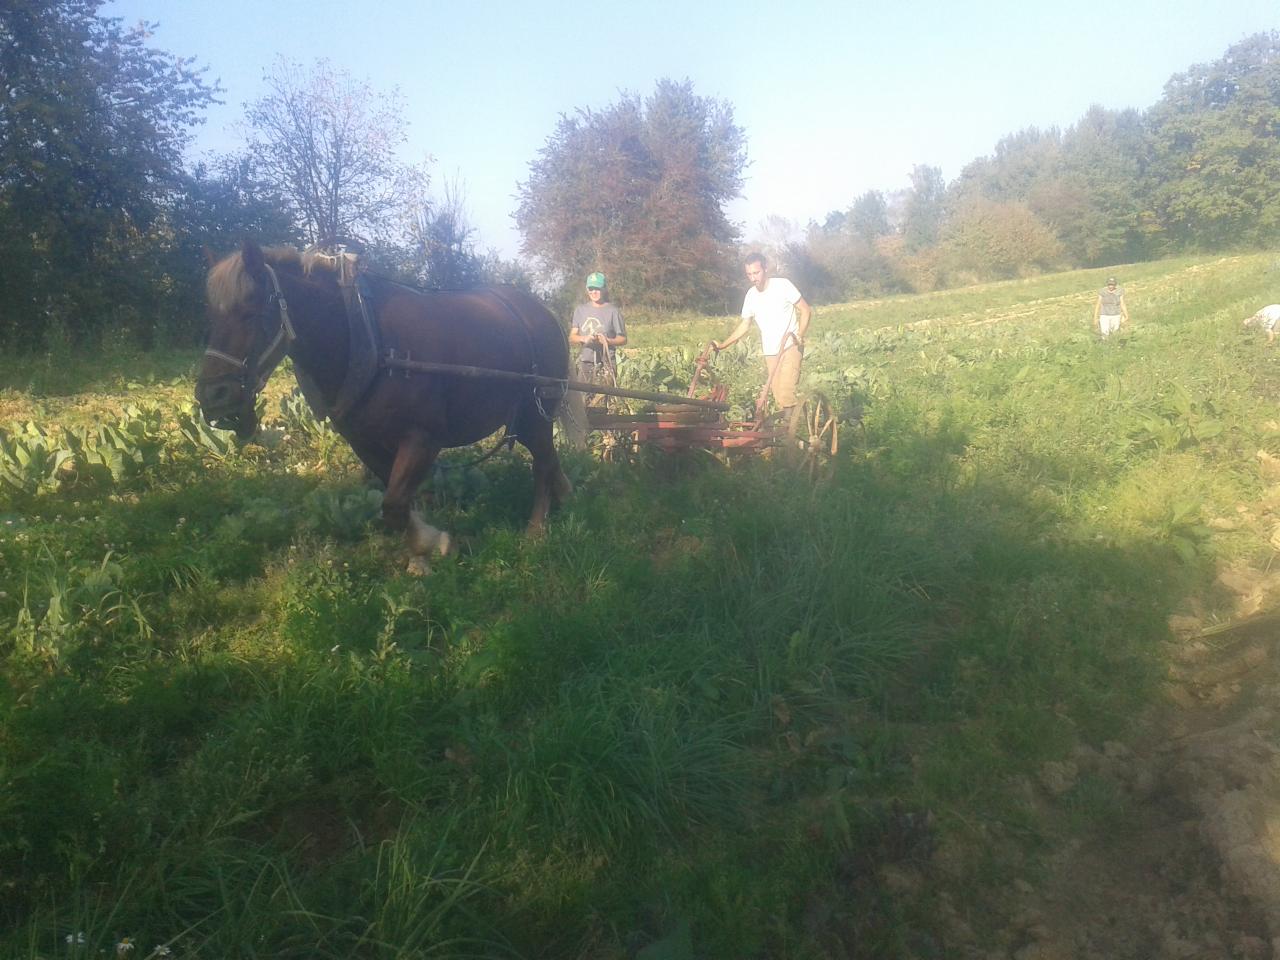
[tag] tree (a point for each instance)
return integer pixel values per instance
(638, 190)
(1215, 149)
(441, 243)
(93, 123)
(1093, 198)
(869, 216)
(923, 212)
(841, 259)
(216, 206)
(329, 142)
(1083, 184)
(988, 239)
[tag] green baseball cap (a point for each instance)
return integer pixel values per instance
(595, 281)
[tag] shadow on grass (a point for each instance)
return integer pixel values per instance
(712, 700)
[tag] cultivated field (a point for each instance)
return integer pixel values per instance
(991, 684)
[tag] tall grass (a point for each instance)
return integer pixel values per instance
(698, 718)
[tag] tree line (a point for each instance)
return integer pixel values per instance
(103, 220)
(104, 225)
(1195, 172)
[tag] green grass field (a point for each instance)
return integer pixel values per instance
(713, 713)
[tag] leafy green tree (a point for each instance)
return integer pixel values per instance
(217, 204)
(924, 209)
(868, 218)
(1020, 163)
(841, 258)
(638, 190)
(1084, 184)
(1093, 196)
(93, 123)
(989, 239)
(1215, 150)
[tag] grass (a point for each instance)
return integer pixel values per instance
(707, 715)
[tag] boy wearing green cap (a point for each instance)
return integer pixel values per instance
(599, 330)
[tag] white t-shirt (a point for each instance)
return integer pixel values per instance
(1268, 316)
(774, 312)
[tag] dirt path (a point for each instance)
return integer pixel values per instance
(1192, 870)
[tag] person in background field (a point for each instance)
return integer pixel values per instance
(782, 316)
(1109, 312)
(1266, 318)
(598, 328)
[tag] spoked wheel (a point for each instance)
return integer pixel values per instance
(818, 433)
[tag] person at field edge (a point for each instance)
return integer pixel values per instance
(598, 328)
(1266, 318)
(782, 316)
(1110, 311)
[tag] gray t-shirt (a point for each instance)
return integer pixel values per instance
(1110, 300)
(591, 318)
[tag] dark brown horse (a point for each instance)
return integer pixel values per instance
(264, 304)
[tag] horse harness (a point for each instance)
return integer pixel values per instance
(366, 358)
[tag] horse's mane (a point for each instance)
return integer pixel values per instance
(229, 284)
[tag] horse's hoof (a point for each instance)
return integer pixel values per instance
(418, 567)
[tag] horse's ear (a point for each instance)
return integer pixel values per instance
(210, 257)
(251, 256)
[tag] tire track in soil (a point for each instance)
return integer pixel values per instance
(1194, 871)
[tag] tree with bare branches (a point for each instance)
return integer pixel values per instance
(329, 142)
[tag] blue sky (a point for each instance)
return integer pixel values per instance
(835, 99)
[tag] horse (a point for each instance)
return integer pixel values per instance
(353, 354)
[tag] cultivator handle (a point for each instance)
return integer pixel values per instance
(700, 366)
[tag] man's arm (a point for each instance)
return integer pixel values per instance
(739, 332)
(804, 313)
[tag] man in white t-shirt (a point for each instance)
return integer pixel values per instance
(782, 316)
(1267, 318)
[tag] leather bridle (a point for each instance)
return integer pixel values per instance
(252, 372)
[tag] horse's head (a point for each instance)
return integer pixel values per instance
(249, 333)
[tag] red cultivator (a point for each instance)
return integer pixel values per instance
(697, 421)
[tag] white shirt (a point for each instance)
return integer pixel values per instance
(1268, 316)
(774, 311)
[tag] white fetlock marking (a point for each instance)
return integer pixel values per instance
(444, 544)
(423, 538)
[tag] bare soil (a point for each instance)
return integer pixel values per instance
(1190, 866)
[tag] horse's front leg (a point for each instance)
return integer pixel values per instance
(412, 464)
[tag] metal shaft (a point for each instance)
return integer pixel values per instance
(458, 370)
